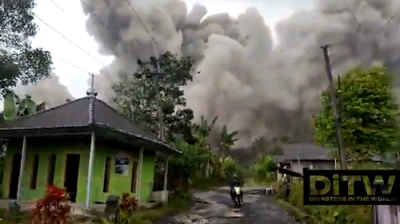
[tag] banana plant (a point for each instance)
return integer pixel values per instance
(203, 130)
(14, 107)
(228, 139)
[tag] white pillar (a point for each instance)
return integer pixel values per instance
(90, 169)
(166, 174)
(21, 168)
(335, 164)
(139, 177)
(164, 196)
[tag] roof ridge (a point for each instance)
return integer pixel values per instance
(133, 121)
(48, 110)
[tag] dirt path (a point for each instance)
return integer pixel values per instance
(215, 207)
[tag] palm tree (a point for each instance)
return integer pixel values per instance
(202, 133)
(228, 139)
(203, 130)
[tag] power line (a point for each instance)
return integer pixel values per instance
(69, 63)
(59, 7)
(68, 40)
(390, 20)
(144, 25)
(101, 22)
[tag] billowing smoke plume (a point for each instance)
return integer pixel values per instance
(251, 86)
(50, 91)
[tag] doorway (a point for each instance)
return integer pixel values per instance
(71, 175)
(16, 165)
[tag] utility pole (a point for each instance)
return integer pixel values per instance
(156, 75)
(333, 98)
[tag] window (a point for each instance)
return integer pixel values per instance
(50, 169)
(134, 176)
(35, 168)
(107, 171)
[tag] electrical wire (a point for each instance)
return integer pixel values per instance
(72, 65)
(144, 25)
(59, 7)
(69, 40)
(390, 20)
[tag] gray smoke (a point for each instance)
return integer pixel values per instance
(251, 86)
(49, 90)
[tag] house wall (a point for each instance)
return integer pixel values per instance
(118, 183)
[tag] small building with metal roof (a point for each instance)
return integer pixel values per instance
(84, 146)
(297, 156)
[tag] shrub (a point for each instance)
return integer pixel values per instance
(179, 200)
(126, 209)
(128, 203)
(329, 214)
(262, 169)
(53, 208)
(230, 166)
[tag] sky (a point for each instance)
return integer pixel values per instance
(62, 32)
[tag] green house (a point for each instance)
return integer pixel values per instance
(84, 146)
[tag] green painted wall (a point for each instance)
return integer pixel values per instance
(118, 183)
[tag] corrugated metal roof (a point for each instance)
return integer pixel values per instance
(304, 151)
(81, 113)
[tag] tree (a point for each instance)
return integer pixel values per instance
(369, 114)
(19, 61)
(203, 130)
(228, 139)
(186, 165)
(14, 107)
(201, 133)
(263, 167)
(136, 97)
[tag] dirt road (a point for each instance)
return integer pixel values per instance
(215, 207)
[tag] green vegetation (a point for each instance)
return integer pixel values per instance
(324, 214)
(14, 107)
(369, 114)
(19, 61)
(370, 127)
(262, 169)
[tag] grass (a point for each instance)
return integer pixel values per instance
(8, 217)
(325, 214)
(143, 216)
(293, 210)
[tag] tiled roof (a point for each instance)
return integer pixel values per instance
(83, 112)
(304, 151)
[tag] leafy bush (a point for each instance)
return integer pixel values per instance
(53, 208)
(179, 200)
(262, 169)
(128, 203)
(329, 214)
(127, 207)
(230, 166)
(184, 166)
